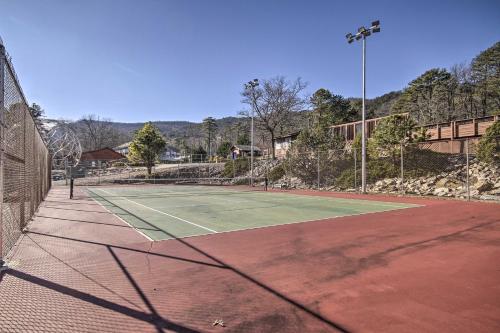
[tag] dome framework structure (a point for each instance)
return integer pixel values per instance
(64, 146)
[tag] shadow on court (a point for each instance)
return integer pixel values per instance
(217, 263)
(294, 278)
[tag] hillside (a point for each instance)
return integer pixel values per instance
(191, 134)
(378, 106)
(174, 129)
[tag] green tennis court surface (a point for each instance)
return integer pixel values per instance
(169, 211)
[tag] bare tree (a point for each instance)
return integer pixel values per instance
(466, 104)
(273, 101)
(96, 133)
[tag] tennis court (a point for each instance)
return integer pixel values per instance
(173, 211)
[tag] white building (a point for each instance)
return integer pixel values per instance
(169, 153)
(283, 143)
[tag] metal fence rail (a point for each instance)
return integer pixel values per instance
(24, 159)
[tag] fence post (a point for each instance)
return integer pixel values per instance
(234, 171)
(199, 165)
(2, 141)
(402, 170)
(355, 171)
(467, 169)
(318, 171)
(34, 204)
(250, 179)
(66, 170)
(22, 207)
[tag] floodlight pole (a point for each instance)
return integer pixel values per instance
(251, 85)
(251, 149)
(363, 33)
(363, 123)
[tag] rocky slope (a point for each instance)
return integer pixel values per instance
(484, 183)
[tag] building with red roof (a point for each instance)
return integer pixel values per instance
(96, 158)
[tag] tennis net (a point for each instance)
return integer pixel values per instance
(199, 184)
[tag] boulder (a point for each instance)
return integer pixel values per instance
(441, 191)
(483, 186)
(490, 197)
(448, 182)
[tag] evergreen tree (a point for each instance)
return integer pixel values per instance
(485, 72)
(209, 126)
(147, 145)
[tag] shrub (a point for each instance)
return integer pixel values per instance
(331, 164)
(380, 169)
(303, 164)
(236, 168)
(224, 149)
(118, 164)
(276, 173)
(376, 170)
(346, 179)
(199, 155)
(425, 162)
(241, 181)
(488, 149)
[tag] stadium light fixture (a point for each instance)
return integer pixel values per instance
(363, 33)
(251, 85)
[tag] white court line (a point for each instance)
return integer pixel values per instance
(130, 225)
(299, 222)
(192, 205)
(159, 211)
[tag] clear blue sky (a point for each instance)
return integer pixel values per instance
(185, 59)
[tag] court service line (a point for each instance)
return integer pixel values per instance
(305, 221)
(138, 230)
(159, 211)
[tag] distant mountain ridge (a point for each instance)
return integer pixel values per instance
(376, 107)
(168, 127)
(181, 133)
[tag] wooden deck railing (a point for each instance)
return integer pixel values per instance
(460, 128)
(467, 128)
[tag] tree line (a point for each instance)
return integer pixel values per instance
(466, 90)
(281, 106)
(438, 95)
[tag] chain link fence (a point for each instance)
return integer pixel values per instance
(24, 159)
(445, 169)
(122, 171)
